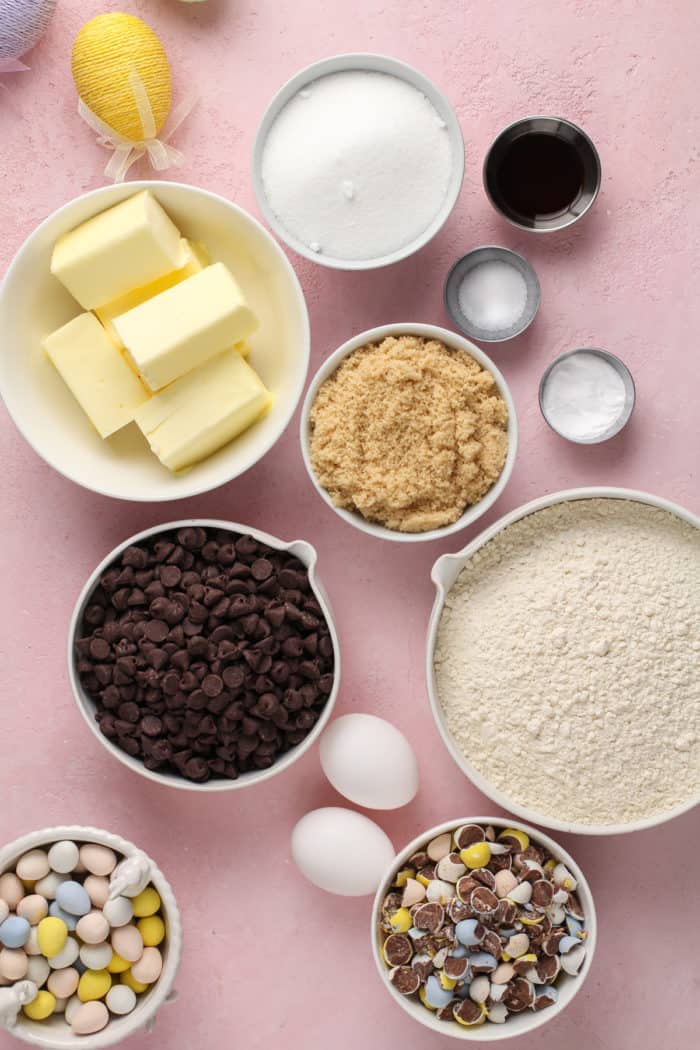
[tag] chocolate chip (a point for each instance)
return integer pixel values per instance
(99, 649)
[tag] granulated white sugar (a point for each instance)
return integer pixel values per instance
(493, 295)
(568, 661)
(357, 165)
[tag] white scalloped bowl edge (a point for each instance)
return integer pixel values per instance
(444, 573)
(308, 555)
(516, 1024)
(54, 1033)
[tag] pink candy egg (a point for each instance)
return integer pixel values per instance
(97, 889)
(33, 865)
(93, 928)
(98, 860)
(33, 908)
(89, 1018)
(148, 968)
(4, 910)
(128, 942)
(63, 983)
(11, 889)
(13, 964)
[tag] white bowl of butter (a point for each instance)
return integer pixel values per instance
(34, 304)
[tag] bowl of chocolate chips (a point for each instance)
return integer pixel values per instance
(483, 928)
(203, 654)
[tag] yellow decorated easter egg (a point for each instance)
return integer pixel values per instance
(107, 50)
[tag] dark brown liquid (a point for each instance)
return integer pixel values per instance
(539, 176)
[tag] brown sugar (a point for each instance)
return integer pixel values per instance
(408, 433)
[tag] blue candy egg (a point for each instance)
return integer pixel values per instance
(435, 994)
(14, 932)
(73, 898)
(479, 959)
(57, 912)
(465, 931)
(574, 926)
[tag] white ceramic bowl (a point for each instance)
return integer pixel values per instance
(516, 1024)
(456, 342)
(33, 303)
(378, 64)
(300, 549)
(444, 573)
(54, 1033)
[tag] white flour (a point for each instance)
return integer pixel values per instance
(568, 661)
(357, 164)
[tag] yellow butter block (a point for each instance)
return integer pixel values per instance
(196, 259)
(204, 410)
(96, 373)
(183, 327)
(125, 247)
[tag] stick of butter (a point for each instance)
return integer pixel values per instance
(183, 327)
(125, 247)
(196, 259)
(96, 374)
(203, 410)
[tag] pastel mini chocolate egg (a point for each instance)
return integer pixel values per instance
(96, 956)
(13, 964)
(94, 984)
(57, 912)
(146, 903)
(67, 956)
(106, 51)
(98, 860)
(148, 968)
(118, 912)
(63, 983)
(127, 942)
(63, 856)
(11, 889)
(117, 964)
(89, 1018)
(130, 981)
(4, 910)
(72, 1006)
(52, 933)
(32, 945)
(40, 1007)
(33, 865)
(14, 932)
(152, 930)
(48, 886)
(38, 969)
(33, 908)
(93, 928)
(121, 999)
(60, 1006)
(73, 898)
(97, 889)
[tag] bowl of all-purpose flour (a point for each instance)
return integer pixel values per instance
(563, 660)
(358, 161)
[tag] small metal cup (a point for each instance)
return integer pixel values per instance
(474, 258)
(630, 394)
(570, 133)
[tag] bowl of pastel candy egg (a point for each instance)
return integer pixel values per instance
(90, 938)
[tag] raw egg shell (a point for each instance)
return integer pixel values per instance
(105, 52)
(341, 851)
(369, 761)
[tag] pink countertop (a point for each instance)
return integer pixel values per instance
(270, 961)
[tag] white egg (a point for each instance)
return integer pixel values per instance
(341, 851)
(63, 856)
(369, 761)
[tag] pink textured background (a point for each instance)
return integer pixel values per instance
(269, 961)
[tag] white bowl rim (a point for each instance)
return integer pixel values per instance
(455, 341)
(373, 62)
(486, 1032)
(194, 488)
(460, 558)
(303, 550)
(120, 1028)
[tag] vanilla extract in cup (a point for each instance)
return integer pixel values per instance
(542, 173)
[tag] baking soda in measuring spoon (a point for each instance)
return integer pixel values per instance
(357, 164)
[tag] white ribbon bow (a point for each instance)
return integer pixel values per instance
(127, 151)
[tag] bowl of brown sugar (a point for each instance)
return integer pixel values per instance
(409, 432)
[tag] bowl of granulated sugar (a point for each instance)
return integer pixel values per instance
(358, 161)
(562, 660)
